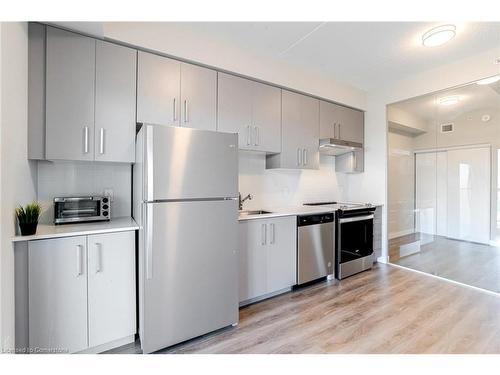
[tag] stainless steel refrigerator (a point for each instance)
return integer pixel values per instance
(186, 202)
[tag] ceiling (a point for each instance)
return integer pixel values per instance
(472, 97)
(365, 55)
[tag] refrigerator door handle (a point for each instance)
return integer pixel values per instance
(149, 243)
(149, 164)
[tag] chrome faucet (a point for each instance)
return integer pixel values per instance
(248, 197)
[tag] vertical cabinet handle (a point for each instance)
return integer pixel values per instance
(299, 156)
(256, 136)
(85, 139)
(79, 267)
(304, 158)
(98, 258)
(175, 109)
(263, 234)
(186, 110)
(340, 125)
(273, 234)
(149, 242)
(334, 130)
(101, 141)
(248, 135)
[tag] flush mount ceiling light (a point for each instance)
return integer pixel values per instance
(449, 100)
(489, 80)
(439, 35)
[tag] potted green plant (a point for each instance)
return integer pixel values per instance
(27, 217)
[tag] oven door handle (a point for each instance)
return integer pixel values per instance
(355, 218)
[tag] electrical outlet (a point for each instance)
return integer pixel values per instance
(110, 194)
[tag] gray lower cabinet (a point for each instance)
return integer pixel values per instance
(251, 109)
(81, 291)
(115, 97)
(58, 294)
(268, 251)
(70, 78)
(300, 133)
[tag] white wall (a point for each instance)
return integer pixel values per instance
(18, 181)
(280, 187)
(62, 179)
(372, 185)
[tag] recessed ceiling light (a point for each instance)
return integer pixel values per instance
(449, 100)
(489, 80)
(439, 35)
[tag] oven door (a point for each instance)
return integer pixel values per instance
(355, 238)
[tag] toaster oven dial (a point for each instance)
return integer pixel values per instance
(105, 213)
(105, 207)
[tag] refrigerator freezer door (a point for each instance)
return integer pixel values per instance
(191, 271)
(184, 163)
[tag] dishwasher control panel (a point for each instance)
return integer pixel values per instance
(314, 219)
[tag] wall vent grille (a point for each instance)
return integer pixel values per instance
(446, 128)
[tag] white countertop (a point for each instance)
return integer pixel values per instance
(45, 231)
(292, 211)
(287, 211)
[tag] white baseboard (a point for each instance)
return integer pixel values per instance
(109, 345)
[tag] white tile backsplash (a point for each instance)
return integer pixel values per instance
(61, 178)
(283, 187)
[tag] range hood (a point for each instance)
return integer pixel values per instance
(332, 146)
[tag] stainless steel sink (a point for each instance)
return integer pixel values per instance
(253, 212)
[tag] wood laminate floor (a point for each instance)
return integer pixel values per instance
(385, 310)
(465, 262)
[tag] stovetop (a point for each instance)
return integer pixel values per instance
(344, 206)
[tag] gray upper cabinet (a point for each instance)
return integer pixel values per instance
(90, 96)
(177, 94)
(158, 86)
(351, 125)
(70, 77)
(198, 97)
(329, 117)
(235, 108)
(251, 109)
(266, 117)
(341, 122)
(300, 133)
(115, 103)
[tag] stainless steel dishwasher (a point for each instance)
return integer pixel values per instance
(315, 246)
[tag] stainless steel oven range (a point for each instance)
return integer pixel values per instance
(354, 237)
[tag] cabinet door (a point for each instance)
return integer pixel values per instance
(70, 79)
(158, 88)
(300, 127)
(351, 126)
(115, 98)
(58, 294)
(198, 97)
(310, 119)
(281, 253)
(235, 109)
(266, 117)
(328, 119)
(253, 259)
(111, 287)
